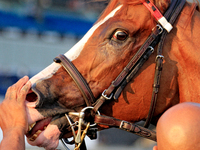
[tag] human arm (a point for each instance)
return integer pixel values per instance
(13, 119)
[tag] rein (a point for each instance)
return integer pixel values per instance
(157, 36)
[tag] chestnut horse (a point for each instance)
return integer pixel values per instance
(102, 54)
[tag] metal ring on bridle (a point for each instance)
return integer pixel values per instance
(90, 107)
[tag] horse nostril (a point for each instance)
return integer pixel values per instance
(31, 97)
(38, 93)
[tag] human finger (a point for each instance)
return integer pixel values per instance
(23, 92)
(11, 93)
(19, 85)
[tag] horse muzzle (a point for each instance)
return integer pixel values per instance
(47, 106)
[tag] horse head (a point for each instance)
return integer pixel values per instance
(100, 56)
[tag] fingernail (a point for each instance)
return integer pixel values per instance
(26, 77)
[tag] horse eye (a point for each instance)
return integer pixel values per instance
(120, 35)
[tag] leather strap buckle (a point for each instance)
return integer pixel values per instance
(106, 96)
(159, 28)
(159, 56)
(151, 49)
(122, 125)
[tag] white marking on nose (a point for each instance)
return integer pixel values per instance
(74, 52)
(46, 73)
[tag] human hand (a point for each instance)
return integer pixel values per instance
(12, 109)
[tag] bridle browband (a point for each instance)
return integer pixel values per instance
(157, 37)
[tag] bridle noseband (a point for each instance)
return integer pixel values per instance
(78, 79)
(157, 37)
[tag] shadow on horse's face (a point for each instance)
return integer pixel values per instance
(100, 56)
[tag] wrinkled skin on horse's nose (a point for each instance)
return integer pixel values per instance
(59, 91)
(47, 101)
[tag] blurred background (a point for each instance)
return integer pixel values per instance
(33, 32)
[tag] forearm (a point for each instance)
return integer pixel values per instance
(13, 140)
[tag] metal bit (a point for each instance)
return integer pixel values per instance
(78, 136)
(82, 136)
(71, 125)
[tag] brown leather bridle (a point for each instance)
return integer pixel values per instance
(157, 36)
